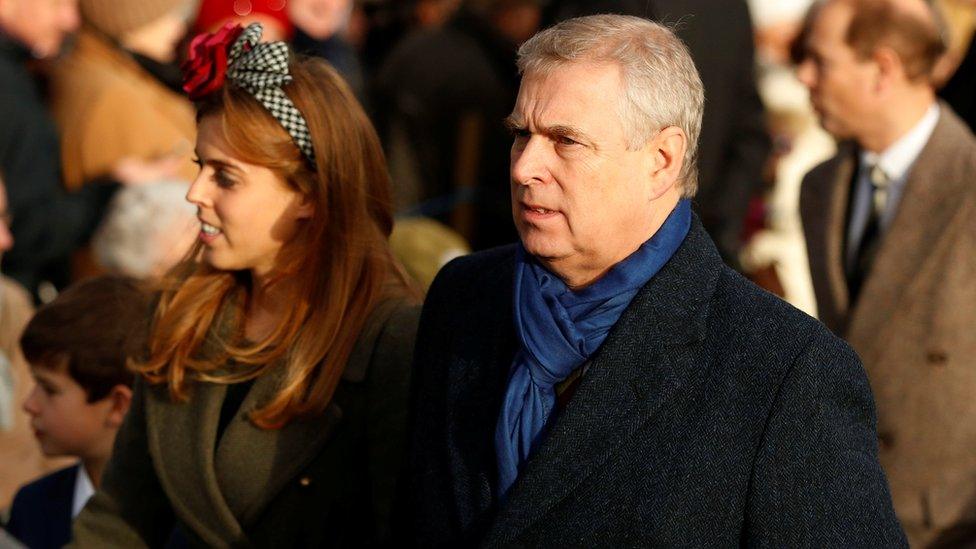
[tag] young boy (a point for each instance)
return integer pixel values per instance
(77, 347)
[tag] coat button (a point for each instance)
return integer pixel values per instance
(937, 358)
(304, 481)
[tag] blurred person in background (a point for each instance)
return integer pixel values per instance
(48, 222)
(734, 142)
(442, 94)
(320, 27)
(959, 91)
(272, 14)
(20, 458)
(777, 249)
(116, 94)
(146, 230)
(890, 225)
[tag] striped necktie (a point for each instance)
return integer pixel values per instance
(871, 239)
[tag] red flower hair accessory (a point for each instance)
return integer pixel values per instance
(205, 70)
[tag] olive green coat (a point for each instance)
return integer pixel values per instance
(328, 481)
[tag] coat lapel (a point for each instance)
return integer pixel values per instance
(183, 436)
(476, 384)
(221, 488)
(836, 238)
(645, 360)
(254, 464)
(924, 213)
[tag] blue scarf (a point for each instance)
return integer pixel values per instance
(559, 329)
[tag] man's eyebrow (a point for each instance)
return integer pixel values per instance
(512, 123)
(559, 130)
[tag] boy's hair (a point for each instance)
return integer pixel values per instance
(91, 328)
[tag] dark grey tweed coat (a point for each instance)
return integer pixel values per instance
(714, 415)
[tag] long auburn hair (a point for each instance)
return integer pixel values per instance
(333, 273)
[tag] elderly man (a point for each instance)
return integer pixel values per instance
(891, 232)
(608, 381)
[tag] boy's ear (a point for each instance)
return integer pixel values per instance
(120, 397)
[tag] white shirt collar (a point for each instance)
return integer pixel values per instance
(900, 155)
(83, 491)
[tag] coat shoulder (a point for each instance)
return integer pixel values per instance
(763, 323)
(468, 272)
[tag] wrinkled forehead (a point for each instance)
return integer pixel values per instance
(570, 87)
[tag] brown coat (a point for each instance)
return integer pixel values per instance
(108, 108)
(914, 325)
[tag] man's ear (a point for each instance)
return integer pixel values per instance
(120, 398)
(667, 150)
(890, 68)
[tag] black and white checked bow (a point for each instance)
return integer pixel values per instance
(262, 69)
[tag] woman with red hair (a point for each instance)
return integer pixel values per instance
(270, 409)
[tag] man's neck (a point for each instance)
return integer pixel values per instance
(894, 123)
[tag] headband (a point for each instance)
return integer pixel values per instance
(236, 54)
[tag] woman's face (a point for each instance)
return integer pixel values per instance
(247, 212)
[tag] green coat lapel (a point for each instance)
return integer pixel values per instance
(254, 464)
(220, 488)
(182, 439)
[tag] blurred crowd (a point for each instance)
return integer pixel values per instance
(97, 137)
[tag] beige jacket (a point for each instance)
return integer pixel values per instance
(914, 325)
(108, 108)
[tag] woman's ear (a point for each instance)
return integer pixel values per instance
(667, 150)
(305, 208)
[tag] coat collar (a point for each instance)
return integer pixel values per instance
(219, 489)
(647, 358)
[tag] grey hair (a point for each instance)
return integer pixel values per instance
(661, 84)
(142, 228)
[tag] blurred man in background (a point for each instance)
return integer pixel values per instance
(890, 226)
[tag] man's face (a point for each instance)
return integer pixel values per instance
(41, 25)
(580, 198)
(841, 84)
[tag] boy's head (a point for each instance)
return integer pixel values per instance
(77, 347)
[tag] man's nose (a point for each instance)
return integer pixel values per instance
(806, 73)
(6, 238)
(529, 161)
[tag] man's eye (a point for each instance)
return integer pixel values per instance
(564, 140)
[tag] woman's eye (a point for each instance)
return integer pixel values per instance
(223, 179)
